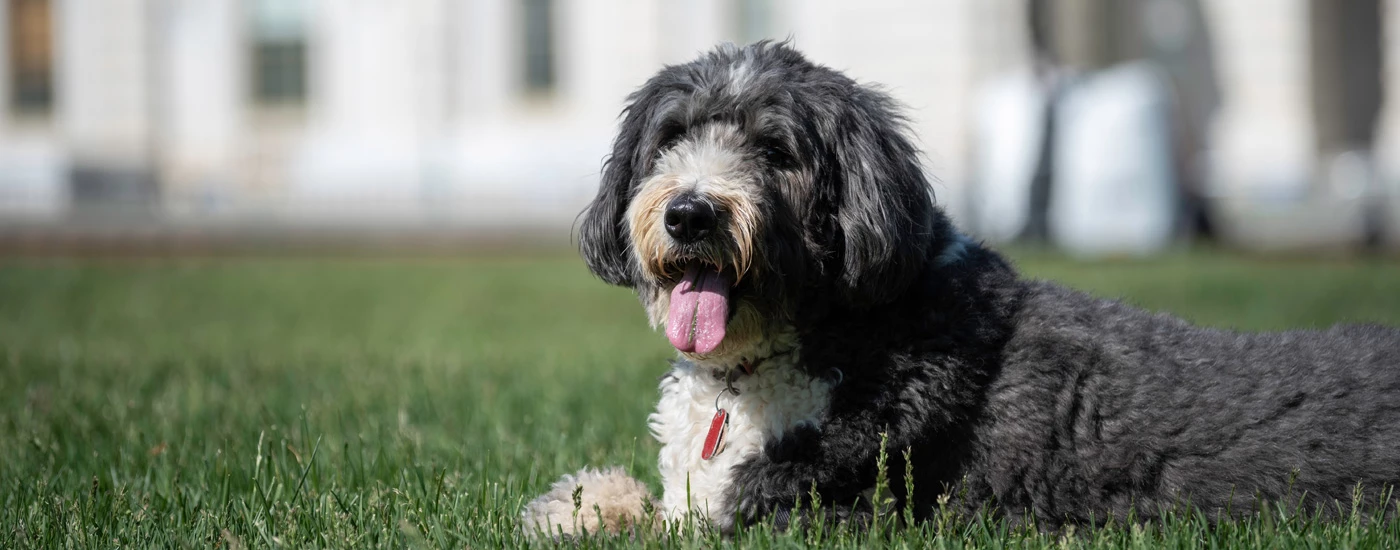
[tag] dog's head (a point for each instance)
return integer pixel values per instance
(751, 186)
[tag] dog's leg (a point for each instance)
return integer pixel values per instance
(838, 458)
(785, 474)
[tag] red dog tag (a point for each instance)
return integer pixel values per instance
(714, 440)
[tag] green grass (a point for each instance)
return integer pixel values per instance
(351, 403)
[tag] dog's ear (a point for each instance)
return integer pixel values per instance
(885, 210)
(602, 236)
(603, 239)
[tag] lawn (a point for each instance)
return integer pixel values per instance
(359, 402)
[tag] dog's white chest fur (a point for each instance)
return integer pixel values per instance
(772, 400)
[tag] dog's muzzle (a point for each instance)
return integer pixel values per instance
(700, 300)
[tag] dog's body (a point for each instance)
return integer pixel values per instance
(772, 216)
(1097, 407)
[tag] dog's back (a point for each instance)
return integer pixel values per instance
(1110, 408)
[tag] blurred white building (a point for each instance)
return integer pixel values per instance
(491, 113)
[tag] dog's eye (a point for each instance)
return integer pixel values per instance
(669, 135)
(776, 155)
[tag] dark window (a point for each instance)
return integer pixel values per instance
(538, 19)
(31, 56)
(279, 51)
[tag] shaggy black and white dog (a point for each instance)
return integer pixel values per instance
(775, 220)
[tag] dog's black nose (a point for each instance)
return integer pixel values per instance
(689, 218)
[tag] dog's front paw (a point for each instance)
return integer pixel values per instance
(591, 501)
(763, 488)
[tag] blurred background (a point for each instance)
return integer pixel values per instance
(1102, 127)
(298, 272)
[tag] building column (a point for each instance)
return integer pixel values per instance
(1262, 140)
(204, 89)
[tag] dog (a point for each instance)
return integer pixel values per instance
(776, 222)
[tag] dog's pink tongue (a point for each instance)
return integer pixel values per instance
(700, 301)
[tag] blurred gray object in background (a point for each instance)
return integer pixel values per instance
(461, 117)
(1116, 180)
